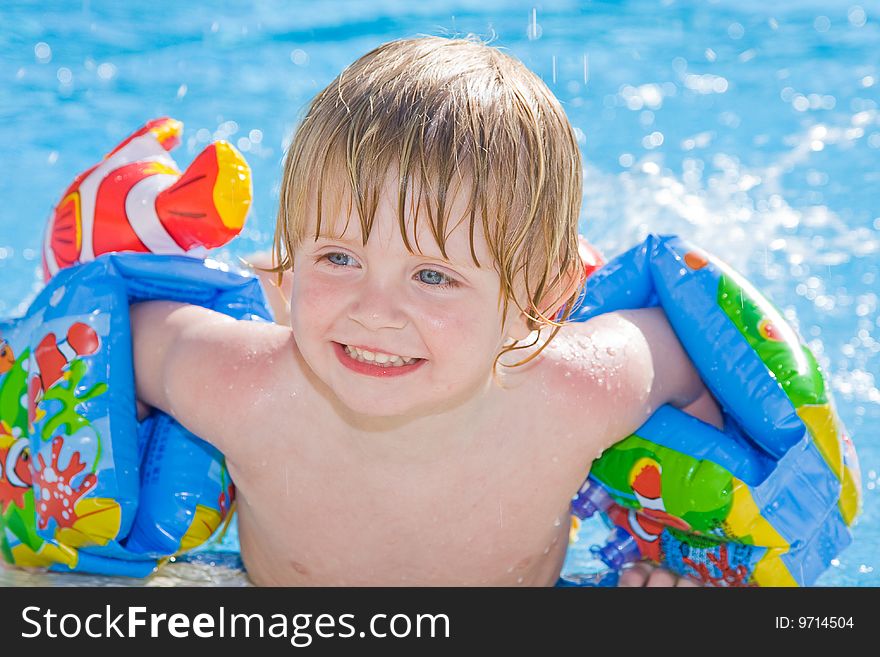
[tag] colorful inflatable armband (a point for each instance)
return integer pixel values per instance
(136, 199)
(83, 485)
(769, 500)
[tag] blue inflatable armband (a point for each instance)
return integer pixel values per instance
(84, 486)
(767, 501)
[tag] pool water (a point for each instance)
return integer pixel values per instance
(751, 127)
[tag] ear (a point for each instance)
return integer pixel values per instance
(568, 284)
(518, 325)
(522, 326)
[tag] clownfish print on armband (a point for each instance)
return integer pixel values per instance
(646, 524)
(52, 357)
(136, 199)
(646, 485)
(15, 472)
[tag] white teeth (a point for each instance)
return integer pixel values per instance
(366, 356)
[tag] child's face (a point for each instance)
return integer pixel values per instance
(383, 298)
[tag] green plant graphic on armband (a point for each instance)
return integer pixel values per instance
(65, 392)
(13, 387)
(21, 522)
(698, 492)
(774, 341)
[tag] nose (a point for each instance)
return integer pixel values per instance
(377, 306)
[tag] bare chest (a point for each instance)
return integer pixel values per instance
(496, 514)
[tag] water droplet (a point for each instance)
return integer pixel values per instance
(43, 52)
(106, 71)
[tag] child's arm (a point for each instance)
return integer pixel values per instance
(645, 367)
(664, 367)
(200, 366)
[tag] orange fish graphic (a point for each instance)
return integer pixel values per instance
(7, 357)
(52, 356)
(136, 199)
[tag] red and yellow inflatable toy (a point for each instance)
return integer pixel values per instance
(136, 199)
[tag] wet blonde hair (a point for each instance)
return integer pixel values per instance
(444, 110)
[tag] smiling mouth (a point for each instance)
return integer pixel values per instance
(377, 359)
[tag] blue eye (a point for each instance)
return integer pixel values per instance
(337, 259)
(436, 278)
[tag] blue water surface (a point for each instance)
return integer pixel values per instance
(751, 127)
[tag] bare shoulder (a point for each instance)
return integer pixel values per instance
(602, 375)
(227, 377)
